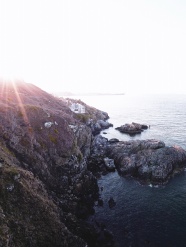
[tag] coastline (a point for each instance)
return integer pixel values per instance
(50, 160)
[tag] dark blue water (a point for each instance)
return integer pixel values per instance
(144, 215)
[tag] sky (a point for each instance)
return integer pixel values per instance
(130, 46)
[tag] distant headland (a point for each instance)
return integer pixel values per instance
(64, 94)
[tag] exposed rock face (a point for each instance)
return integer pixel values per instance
(98, 152)
(132, 129)
(28, 215)
(45, 187)
(148, 160)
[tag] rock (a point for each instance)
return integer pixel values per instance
(104, 124)
(98, 126)
(95, 161)
(48, 124)
(132, 129)
(111, 202)
(148, 160)
(100, 202)
(10, 187)
(113, 140)
(109, 163)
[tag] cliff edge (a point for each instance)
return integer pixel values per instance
(46, 191)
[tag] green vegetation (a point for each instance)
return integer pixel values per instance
(83, 117)
(79, 157)
(32, 107)
(11, 171)
(53, 138)
(56, 131)
(25, 142)
(42, 144)
(20, 114)
(30, 130)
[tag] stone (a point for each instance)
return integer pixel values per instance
(109, 163)
(48, 124)
(111, 202)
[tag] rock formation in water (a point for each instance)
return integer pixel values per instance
(132, 129)
(147, 160)
(46, 190)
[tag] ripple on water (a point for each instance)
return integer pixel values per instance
(144, 215)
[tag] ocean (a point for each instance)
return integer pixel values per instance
(144, 215)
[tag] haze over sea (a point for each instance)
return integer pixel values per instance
(144, 215)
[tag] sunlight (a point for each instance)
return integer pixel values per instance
(6, 90)
(20, 103)
(14, 97)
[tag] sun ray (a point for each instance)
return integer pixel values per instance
(20, 103)
(12, 96)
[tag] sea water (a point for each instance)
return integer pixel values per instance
(144, 215)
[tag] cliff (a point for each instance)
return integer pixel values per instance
(46, 190)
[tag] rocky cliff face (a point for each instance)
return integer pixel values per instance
(45, 188)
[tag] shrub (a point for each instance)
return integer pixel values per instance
(53, 139)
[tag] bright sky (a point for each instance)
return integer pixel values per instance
(95, 45)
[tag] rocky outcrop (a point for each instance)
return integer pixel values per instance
(96, 162)
(94, 118)
(147, 160)
(132, 129)
(99, 126)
